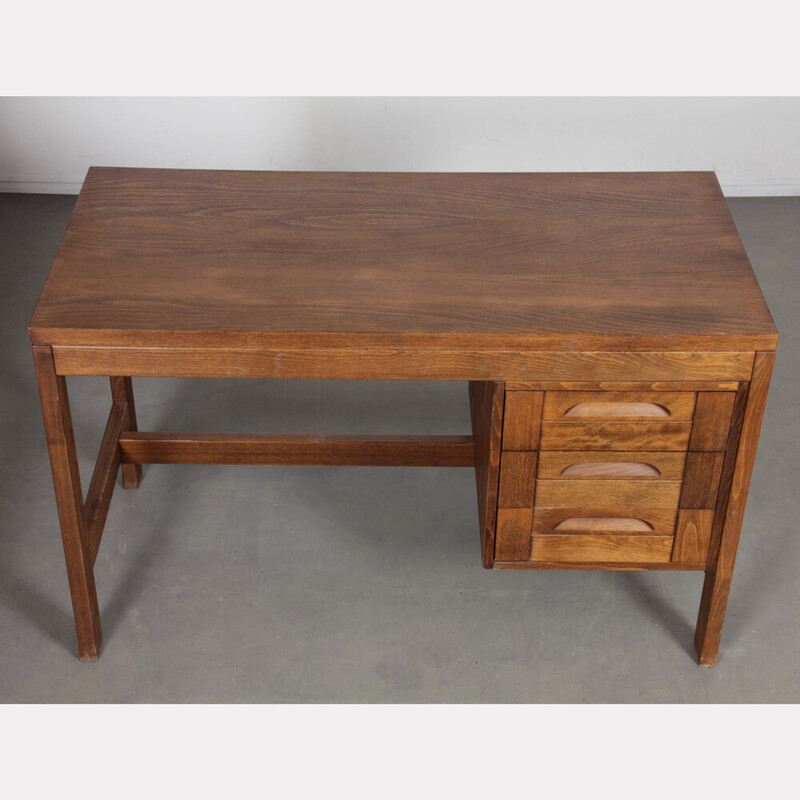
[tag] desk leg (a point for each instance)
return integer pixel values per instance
(718, 575)
(69, 500)
(122, 392)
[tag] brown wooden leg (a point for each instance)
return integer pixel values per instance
(718, 576)
(122, 391)
(69, 500)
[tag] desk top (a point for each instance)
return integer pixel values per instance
(529, 261)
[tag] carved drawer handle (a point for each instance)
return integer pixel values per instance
(603, 524)
(621, 469)
(608, 409)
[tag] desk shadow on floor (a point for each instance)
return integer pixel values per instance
(658, 610)
(38, 610)
(148, 551)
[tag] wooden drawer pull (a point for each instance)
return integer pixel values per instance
(609, 409)
(603, 524)
(605, 469)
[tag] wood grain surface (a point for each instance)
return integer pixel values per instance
(692, 535)
(601, 548)
(610, 493)
(333, 450)
(712, 420)
(517, 479)
(522, 420)
(672, 406)
(617, 566)
(591, 261)
(622, 386)
(486, 414)
(513, 541)
(122, 392)
(701, 480)
(104, 478)
(716, 586)
(661, 521)
(599, 465)
(380, 364)
(69, 502)
(615, 435)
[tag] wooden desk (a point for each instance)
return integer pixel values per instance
(616, 342)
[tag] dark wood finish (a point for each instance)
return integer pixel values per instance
(122, 391)
(104, 479)
(718, 578)
(615, 435)
(661, 521)
(701, 480)
(672, 406)
(275, 448)
(712, 421)
(513, 542)
(584, 261)
(693, 535)
(599, 465)
(601, 548)
(486, 400)
(382, 364)
(69, 501)
(521, 420)
(517, 479)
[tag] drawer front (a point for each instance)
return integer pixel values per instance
(597, 520)
(638, 494)
(608, 549)
(670, 436)
(638, 406)
(631, 465)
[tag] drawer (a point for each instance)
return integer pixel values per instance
(610, 494)
(670, 436)
(608, 549)
(632, 465)
(604, 520)
(672, 406)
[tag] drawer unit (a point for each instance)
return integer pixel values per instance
(609, 477)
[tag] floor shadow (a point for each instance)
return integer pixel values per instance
(656, 609)
(149, 551)
(38, 610)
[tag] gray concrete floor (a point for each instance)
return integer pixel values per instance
(306, 584)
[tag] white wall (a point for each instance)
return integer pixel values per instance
(46, 144)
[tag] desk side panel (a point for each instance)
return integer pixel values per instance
(486, 409)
